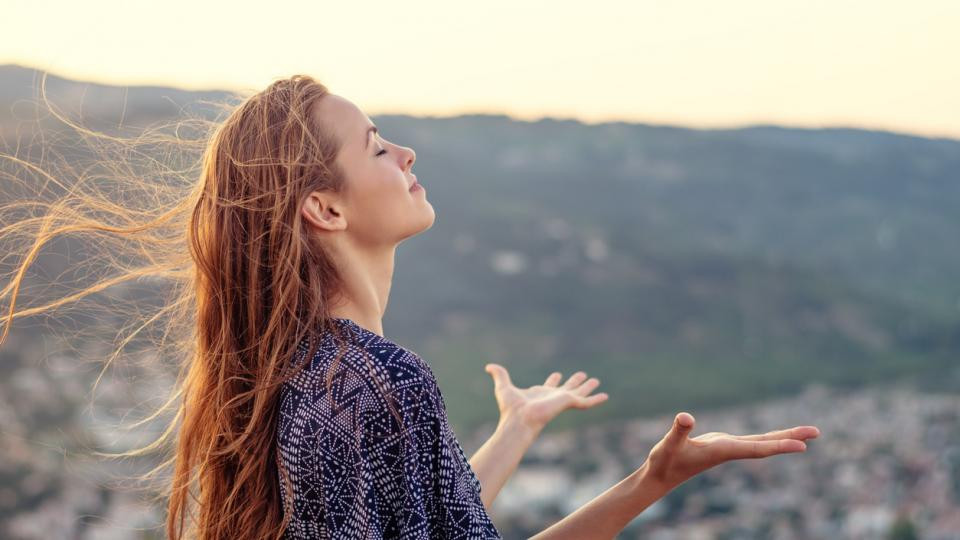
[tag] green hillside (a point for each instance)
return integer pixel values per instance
(684, 268)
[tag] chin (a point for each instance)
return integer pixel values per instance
(428, 221)
(428, 218)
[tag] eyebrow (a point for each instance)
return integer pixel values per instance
(366, 140)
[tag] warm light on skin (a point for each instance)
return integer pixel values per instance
(377, 211)
(881, 65)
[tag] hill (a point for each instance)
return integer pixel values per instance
(683, 267)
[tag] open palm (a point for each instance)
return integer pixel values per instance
(677, 457)
(537, 405)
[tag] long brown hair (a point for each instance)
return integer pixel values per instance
(247, 284)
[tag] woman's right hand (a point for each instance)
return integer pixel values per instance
(677, 457)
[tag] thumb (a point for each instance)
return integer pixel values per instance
(682, 425)
(499, 374)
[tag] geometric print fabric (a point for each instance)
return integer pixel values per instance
(358, 473)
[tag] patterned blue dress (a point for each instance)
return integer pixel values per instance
(356, 472)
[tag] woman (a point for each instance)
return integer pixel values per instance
(296, 416)
(382, 205)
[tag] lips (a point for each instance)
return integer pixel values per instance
(414, 185)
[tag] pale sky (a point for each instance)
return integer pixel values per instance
(876, 64)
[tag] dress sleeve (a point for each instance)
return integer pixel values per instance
(359, 472)
(332, 474)
(430, 492)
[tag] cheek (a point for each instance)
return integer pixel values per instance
(380, 205)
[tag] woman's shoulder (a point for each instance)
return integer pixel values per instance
(378, 389)
(371, 361)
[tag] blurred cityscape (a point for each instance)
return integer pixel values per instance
(886, 465)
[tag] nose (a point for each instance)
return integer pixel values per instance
(411, 157)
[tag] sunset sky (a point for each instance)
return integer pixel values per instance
(704, 63)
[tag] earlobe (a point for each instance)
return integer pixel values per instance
(323, 212)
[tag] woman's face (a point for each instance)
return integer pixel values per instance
(377, 206)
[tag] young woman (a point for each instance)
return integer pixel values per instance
(296, 417)
(372, 482)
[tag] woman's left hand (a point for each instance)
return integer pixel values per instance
(678, 457)
(539, 404)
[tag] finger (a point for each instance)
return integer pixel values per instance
(682, 426)
(499, 374)
(590, 401)
(587, 387)
(799, 432)
(575, 380)
(553, 379)
(739, 449)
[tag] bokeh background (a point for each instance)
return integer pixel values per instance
(747, 210)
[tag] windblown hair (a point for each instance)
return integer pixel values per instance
(247, 281)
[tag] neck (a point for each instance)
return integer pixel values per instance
(367, 274)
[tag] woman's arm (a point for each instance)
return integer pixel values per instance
(523, 414)
(671, 462)
(495, 461)
(608, 513)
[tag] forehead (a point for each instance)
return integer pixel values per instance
(344, 119)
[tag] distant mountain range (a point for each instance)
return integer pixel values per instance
(684, 268)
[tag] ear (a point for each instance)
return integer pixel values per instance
(323, 210)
